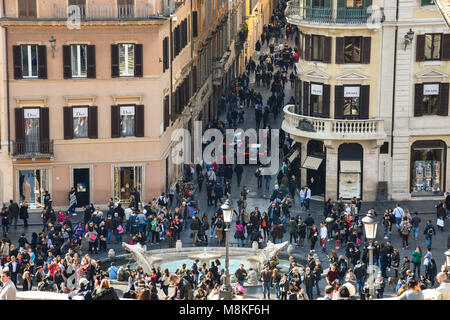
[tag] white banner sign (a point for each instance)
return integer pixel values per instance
(31, 113)
(431, 89)
(351, 92)
(127, 111)
(316, 89)
(80, 112)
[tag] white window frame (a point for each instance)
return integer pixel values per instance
(126, 45)
(30, 67)
(78, 75)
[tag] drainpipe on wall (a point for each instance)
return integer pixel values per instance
(394, 81)
(7, 80)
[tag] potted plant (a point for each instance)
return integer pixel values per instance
(243, 33)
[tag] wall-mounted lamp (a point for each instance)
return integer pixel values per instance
(409, 36)
(52, 41)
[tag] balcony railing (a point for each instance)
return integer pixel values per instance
(324, 128)
(33, 150)
(106, 12)
(346, 16)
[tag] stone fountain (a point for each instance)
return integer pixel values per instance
(205, 257)
(256, 258)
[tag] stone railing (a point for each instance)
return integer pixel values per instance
(325, 128)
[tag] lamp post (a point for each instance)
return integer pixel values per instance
(52, 41)
(226, 292)
(370, 228)
(447, 260)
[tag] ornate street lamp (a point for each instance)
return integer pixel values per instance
(226, 292)
(370, 228)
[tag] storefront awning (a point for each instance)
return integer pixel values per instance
(293, 156)
(350, 166)
(312, 163)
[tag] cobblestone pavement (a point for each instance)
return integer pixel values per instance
(260, 198)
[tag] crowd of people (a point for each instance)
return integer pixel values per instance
(55, 259)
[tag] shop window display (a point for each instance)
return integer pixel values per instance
(427, 170)
(32, 185)
(125, 180)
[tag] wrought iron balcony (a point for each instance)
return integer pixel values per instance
(297, 14)
(22, 150)
(108, 12)
(325, 128)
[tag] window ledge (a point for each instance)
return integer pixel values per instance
(137, 99)
(318, 64)
(81, 100)
(432, 63)
(352, 66)
(31, 101)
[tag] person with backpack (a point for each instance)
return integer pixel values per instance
(429, 231)
(415, 222)
(162, 201)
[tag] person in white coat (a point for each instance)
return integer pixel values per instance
(323, 237)
(444, 287)
(8, 291)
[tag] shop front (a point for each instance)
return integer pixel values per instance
(350, 158)
(32, 183)
(315, 163)
(427, 172)
(125, 180)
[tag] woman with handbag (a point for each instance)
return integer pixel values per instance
(92, 236)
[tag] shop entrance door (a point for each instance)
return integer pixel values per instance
(316, 177)
(81, 179)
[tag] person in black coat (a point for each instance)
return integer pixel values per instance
(23, 214)
(14, 211)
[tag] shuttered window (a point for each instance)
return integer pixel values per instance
(30, 61)
(140, 132)
(339, 102)
(307, 47)
(431, 99)
(138, 59)
(327, 49)
(340, 50)
(79, 60)
(126, 60)
(166, 112)
(434, 46)
(27, 8)
(317, 48)
(165, 53)
(93, 123)
(305, 110)
(80, 122)
(114, 61)
(127, 121)
(326, 101)
(194, 24)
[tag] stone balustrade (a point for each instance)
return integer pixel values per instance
(325, 128)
